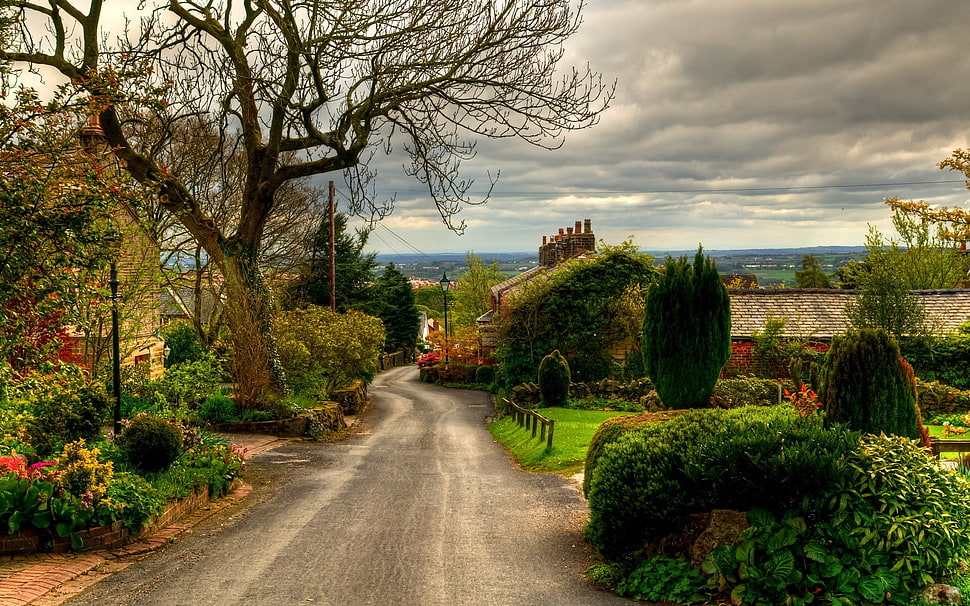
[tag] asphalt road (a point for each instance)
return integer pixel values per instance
(422, 509)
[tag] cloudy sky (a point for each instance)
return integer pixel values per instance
(736, 124)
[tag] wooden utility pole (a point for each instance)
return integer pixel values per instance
(333, 252)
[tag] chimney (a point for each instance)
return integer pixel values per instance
(544, 240)
(92, 136)
(569, 231)
(579, 228)
(588, 226)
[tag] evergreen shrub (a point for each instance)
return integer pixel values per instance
(648, 480)
(687, 331)
(485, 374)
(554, 379)
(150, 444)
(869, 386)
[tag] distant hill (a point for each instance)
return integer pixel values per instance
(505, 257)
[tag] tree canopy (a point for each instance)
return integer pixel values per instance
(312, 87)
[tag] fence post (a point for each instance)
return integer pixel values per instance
(552, 426)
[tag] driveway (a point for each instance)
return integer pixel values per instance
(422, 509)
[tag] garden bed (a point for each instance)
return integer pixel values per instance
(113, 536)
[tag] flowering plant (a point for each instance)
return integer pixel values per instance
(429, 359)
(804, 400)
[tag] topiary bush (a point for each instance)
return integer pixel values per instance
(745, 391)
(150, 444)
(869, 386)
(554, 379)
(485, 374)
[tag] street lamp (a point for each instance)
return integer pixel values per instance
(115, 341)
(445, 284)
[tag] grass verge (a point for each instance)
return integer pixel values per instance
(574, 430)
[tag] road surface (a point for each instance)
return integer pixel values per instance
(423, 509)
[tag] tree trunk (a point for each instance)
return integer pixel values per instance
(256, 366)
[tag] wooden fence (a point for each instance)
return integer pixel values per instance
(531, 420)
(941, 446)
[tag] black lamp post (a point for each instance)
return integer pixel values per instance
(114, 239)
(445, 284)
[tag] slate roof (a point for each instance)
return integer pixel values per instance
(820, 314)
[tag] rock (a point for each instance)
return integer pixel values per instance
(700, 534)
(938, 593)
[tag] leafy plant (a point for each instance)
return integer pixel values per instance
(664, 579)
(134, 500)
(606, 575)
(150, 444)
(554, 379)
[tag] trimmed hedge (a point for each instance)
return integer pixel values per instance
(647, 479)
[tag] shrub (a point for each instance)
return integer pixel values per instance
(869, 386)
(936, 399)
(322, 350)
(219, 409)
(554, 379)
(687, 331)
(150, 444)
(183, 343)
(81, 472)
(892, 523)
(942, 359)
(185, 386)
(648, 480)
(606, 575)
(744, 391)
(485, 374)
(62, 407)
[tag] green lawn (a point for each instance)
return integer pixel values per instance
(574, 430)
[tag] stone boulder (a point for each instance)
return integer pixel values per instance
(700, 534)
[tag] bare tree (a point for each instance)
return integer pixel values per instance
(316, 86)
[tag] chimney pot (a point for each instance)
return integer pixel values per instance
(579, 227)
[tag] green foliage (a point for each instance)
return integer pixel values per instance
(892, 523)
(778, 356)
(323, 351)
(394, 305)
(221, 464)
(572, 308)
(610, 431)
(473, 293)
(869, 386)
(62, 406)
(745, 391)
(485, 374)
(943, 359)
(665, 579)
(183, 343)
(605, 575)
(811, 275)
(136, 500)
(884, 301)
(647, 480)
(554, 379)
(687, 332)
(922, 259)
(150, 444)
(185, 386)
(219, 409)
(354, 269)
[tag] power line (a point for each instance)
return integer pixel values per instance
(499, 193)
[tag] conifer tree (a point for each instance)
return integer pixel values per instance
(394, 305)
(687, 331)
(869, 386)
(554, 379)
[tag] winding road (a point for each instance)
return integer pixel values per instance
(422, 509)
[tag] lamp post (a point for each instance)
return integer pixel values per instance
(113, 240)
(445, 284)
(115, 347)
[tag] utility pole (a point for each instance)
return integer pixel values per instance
(333, 252)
